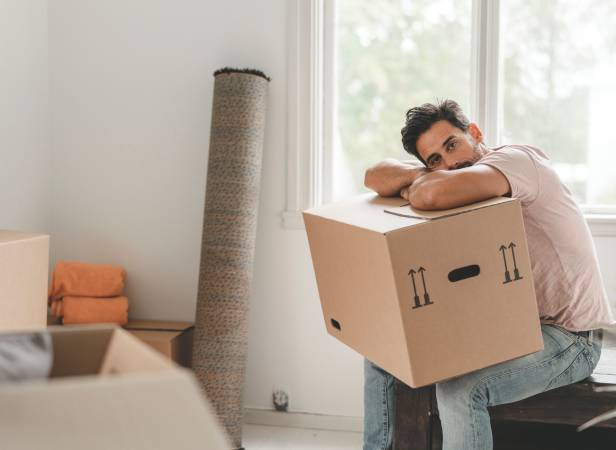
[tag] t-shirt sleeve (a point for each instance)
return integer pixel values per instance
(520, 170)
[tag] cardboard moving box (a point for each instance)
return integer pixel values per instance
(172, 339)
(426, 295)
(24, 272)
(107, 390)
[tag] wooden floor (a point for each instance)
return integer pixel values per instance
(259, 437)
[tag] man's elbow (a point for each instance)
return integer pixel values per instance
(372, 182)
(369, 179)
(424, 197)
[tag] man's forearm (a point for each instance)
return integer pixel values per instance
(443, 189)
(388, 177)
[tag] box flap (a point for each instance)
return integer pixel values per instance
(407, 210)
(101, 349)
(158, 325)
(78, 350)
(127, 354)
(365, 211)
(155, 335)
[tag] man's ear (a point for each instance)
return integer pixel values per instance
(475, 132)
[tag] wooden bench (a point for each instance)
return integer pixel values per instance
(545, 421)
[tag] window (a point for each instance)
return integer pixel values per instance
(389, 56)
(552, 65)
(541, 73)
(559, 89)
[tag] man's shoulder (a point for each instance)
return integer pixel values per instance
(534, 152)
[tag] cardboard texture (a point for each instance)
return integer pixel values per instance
(108, 391)
(172, 339)
(24, 271)
(426, 295)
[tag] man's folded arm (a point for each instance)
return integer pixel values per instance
(444, 189)
(389, 176)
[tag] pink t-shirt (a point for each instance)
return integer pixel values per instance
(568, 284)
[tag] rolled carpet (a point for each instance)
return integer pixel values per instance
(228, 242)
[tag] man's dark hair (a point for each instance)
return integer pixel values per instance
(420, 118)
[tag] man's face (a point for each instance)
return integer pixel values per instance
(445, 147)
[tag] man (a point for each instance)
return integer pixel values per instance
(460, 169)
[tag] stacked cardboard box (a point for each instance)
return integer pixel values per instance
(172, 339)
(24, 272)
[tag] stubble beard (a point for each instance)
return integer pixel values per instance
(479, 152)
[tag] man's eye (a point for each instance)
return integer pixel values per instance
(434, 161)
(451, 145)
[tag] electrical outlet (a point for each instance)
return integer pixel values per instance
(280, 399)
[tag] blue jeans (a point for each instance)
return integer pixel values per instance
(463, 401)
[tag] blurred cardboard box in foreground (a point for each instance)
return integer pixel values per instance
(107, 390)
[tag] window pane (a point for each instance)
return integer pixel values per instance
(559, 88)
(391, 55)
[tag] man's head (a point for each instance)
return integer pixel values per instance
(441, 136)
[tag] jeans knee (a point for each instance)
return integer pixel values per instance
(371, 370)
(460, 394)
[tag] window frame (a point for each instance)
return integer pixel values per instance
(311, 97)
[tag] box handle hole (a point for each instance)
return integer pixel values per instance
(336, 324)
(462, 273)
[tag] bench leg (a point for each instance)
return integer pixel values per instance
(413, 428)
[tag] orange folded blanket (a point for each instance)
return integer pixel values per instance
(78, 279)
(92, 310)
(57, 308)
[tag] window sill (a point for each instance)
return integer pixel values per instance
(601, 224)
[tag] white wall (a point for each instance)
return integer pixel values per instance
(25, 157)
(131, 91)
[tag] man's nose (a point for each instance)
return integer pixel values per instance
(452, 164)
(455, 165)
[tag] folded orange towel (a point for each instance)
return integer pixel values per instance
(80, 279)
(56, 308)
(94, 310)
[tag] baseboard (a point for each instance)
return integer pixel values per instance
(273, 418)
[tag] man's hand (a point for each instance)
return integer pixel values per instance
(390, 176)
(404, 192)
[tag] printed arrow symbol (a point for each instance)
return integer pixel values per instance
(416, 297)
(516, 273)
(412, 274)
(423, 280)
(503, 249)
(512, 247)
(421, 271)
